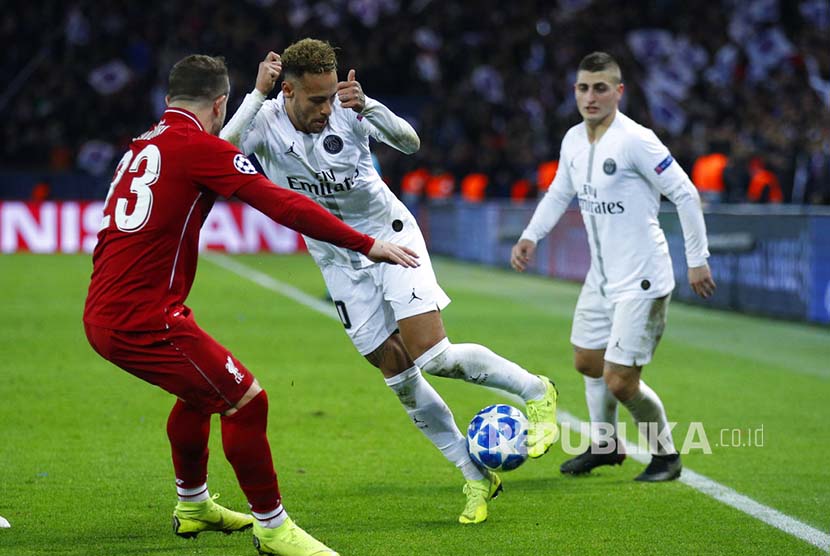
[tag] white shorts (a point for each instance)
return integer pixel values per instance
(371, 300)
(628, 330)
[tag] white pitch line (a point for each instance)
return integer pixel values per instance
(700, 483)
(272, 284)
(726, 495)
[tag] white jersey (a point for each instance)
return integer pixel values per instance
(618, 181)
(333, 167)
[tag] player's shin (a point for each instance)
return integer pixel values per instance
(431, 415)
(648, 412)
(188, 430)
(477, 364)
(602, 406)
(246, 447)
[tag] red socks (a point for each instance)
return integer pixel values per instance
(188, 430)
(245, 444)
(248, 451)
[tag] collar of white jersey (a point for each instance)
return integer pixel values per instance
(618, 122)
(619, 119)
(183, 116)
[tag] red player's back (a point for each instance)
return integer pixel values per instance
(163, 189)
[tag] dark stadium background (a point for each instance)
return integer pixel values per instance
(738, 90)
(487, 83)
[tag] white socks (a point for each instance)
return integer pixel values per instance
(477, 364)
(645, 407)
(198, 494)
(647, 411)
(430, 414)
(602, 408)
(272, 519)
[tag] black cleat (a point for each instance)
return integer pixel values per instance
(594, 456)
(662, 468)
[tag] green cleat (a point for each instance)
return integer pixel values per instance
(288, 540)
(478, 494)
(191, 518)
(541, 417)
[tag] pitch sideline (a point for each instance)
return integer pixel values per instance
(701, 483)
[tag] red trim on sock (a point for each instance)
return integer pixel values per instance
(204, 490)
(273, 514)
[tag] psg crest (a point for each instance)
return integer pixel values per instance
(333, 144)
(609, 166)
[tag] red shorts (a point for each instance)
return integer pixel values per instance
(184, 360)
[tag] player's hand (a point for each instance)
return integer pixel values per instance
(386, 252)
(521, 254)
(700, 278)
(269, 71)
(351, 94)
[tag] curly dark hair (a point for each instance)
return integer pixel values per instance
(308, 56)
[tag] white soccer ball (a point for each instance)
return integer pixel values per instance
(497, 437)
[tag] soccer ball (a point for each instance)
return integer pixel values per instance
(497, 438)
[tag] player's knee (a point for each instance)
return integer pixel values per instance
(614, 383)
(391, 357)
(251, 394)
(583, 365)
(588, 362)
(621, 385)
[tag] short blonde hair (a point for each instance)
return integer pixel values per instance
(308, 56)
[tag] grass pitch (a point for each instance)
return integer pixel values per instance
(85, 467)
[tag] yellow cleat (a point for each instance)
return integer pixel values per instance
(191, 518)
(288, 540)
(478, 494)
(541, 417)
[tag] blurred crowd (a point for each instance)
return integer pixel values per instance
(739, 90)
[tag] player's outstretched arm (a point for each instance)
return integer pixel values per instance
(521, 254)
(307, 217)
(701, 281)
(267, 74)
(392, 253)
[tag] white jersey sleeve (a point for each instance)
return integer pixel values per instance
(654, 162)
(553, 204)
(240, 130)
(382, 124)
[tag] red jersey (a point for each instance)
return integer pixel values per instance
(163, 189)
